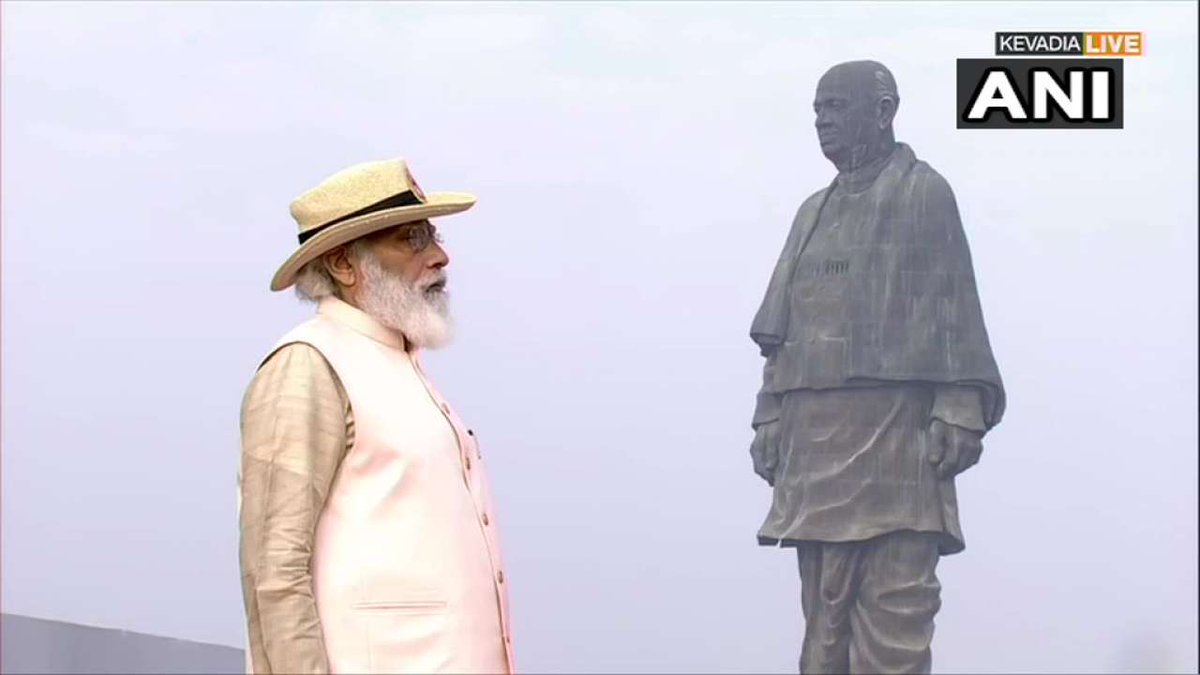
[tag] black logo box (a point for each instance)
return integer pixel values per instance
(971, 74)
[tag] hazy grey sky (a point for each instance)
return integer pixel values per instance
(637, 168)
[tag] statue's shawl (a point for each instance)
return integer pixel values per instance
(914, 313)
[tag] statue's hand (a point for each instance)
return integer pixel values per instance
(955, 449)
(765, 451)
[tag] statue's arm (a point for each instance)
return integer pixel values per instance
(956, 429)
(764, 449)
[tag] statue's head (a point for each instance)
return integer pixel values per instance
(855, 104)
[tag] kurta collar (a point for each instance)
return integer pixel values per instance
(360, 322)
(863, 177)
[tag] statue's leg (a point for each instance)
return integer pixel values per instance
(827, 592)
(898, 596)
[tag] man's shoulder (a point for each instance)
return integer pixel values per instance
(298, 349)
(294, 354)
(313, 333)
(290, 368)
(295, 360)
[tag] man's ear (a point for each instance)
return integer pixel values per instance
(337, 263)
(886, 111)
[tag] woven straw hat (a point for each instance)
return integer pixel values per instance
(358, 201)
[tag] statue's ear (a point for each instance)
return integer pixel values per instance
(886, 111)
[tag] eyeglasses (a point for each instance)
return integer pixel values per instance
(420, 236)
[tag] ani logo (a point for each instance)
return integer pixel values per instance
(1045, 92)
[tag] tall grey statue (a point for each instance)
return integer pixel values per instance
(878, 387)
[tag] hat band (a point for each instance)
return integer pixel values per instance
(403, 199)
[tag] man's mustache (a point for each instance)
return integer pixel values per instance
(438, 283)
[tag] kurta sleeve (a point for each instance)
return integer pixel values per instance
(959, 405)
(296, 427)
(767, 405)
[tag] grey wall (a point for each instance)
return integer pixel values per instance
(40, 646)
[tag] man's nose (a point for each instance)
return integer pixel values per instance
(438, 258)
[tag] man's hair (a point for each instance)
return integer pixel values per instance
(314, 282)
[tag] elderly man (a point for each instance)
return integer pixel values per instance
(368, 536)
(878, 386)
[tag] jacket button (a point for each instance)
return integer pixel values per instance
(485, 520)
(500, 576)
(468, 463)
(470, 432)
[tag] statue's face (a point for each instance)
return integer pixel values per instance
(847, 115)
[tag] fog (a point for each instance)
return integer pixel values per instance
(637, 168)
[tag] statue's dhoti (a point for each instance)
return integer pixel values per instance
(856, 495)
(869, 605)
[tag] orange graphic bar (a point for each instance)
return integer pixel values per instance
(1113, 44)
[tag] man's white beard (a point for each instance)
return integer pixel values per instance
(422, 316)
